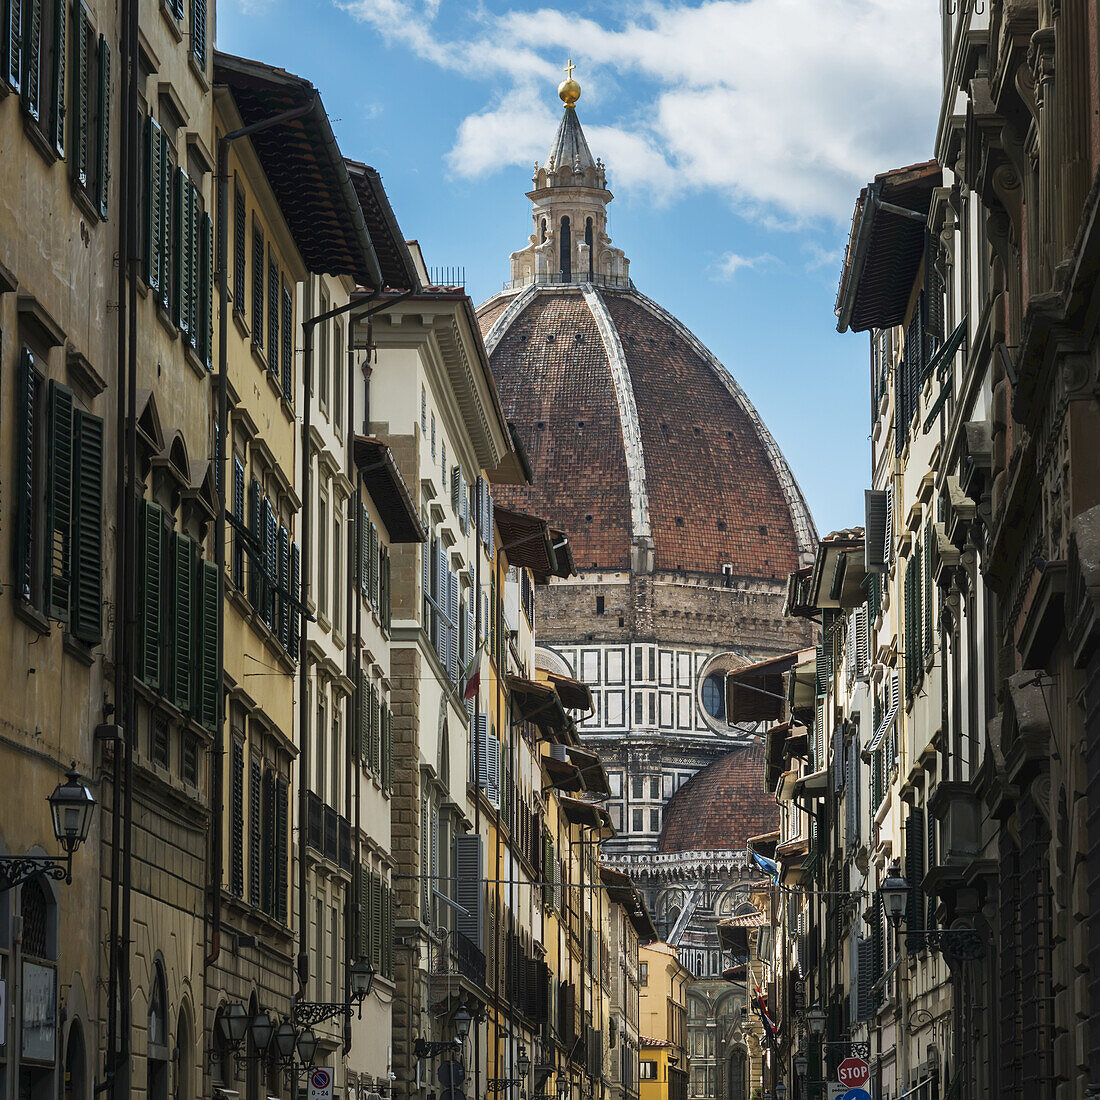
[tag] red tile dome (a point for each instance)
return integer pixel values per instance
(638, 436)
(721, 806)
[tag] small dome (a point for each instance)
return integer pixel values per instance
(720, 807)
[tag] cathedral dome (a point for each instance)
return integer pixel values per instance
(721, 806)
(645, 449)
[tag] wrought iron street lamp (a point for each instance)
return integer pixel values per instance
(360, 982)
(955, 944)
(71, 806)
(815, 1019)
(523, 1064)
(429, 1048)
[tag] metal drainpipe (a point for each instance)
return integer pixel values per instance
(222, 212)
(354, 593)
(122, 569)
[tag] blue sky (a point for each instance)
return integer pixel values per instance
(737, 134)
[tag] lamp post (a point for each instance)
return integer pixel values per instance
(429, 1048)
(71, 806)
(955, 944)
(523, 1064)
(800, 1064)
(816, 1018)
(360, 982)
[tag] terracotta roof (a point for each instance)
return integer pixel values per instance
(720, 807)
(304, 166)
(885, 248)
(398, 269)
(717, 490)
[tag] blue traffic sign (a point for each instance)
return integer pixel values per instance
(856, 1094)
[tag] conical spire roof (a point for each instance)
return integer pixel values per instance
(570, 147)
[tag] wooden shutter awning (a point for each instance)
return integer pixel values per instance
(538, 702)
(621, 890)
(755, 693)
(590, 814)
(529, 543)
(304, 167)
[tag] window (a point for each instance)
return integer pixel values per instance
(337, 378)
(198, 33)
(423, 411)
(655, 786)
(159, 743)
(323, 364)
(189, 758)
(322, 557)
(638, 708)
(636, 782)
(433, 437)
(59, 503)
(654, 821)
(337, 571)
(714, 702)
(647, 1069)
(636, 821)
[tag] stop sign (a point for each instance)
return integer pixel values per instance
(853, 1072)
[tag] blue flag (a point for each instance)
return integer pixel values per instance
(768, 866)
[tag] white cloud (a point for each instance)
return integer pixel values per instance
(818, 258)
(785, 107)
(732, 262)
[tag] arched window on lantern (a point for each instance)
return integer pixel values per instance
(566, 252)
(588, 241)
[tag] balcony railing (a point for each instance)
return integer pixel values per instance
(327, 832)
(458, 954)
(623, 282)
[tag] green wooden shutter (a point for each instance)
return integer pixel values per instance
(257, 286)
(26, 423)
(210, 623)
(236, 820)
(153, 210)
(80, 94)
(198, 33)
(178, 244)
(32, 59)
(240, 232)
(186, 258)
(375, 738)
(376, 921)
(929, 590)
(60, 59)
(296, 593)
(255, 832)
(87, 538)
(164, 200)
(364, 912)
(286, 343)
(183, 613)
(103, 123)
(255, 588)
(11, 64)
(60, 502)
(272, 313)
(206, 293)
(282, 847)
(363, 703)
(151, 570)
(387, 959)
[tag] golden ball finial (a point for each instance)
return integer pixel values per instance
(569, 91)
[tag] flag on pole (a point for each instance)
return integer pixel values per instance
(471, 675)
(765, 1019)
(768, 866)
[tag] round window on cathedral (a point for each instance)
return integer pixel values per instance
(714, 695)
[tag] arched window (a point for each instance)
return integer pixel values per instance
(38, 1069)
(738, 1075)
(542, 230)
(156, 1037)
(76, 1078)
(184, 1056)
(566, 252)
(588, 241)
